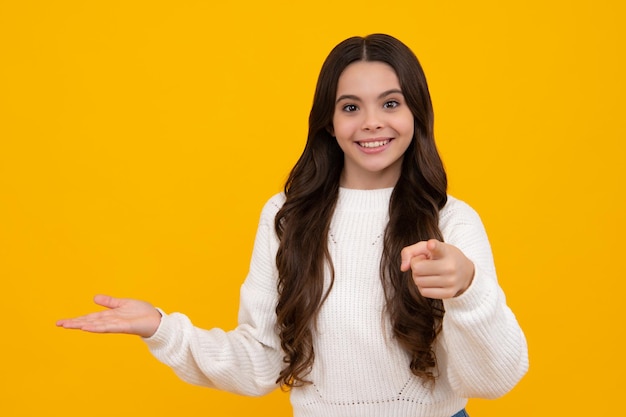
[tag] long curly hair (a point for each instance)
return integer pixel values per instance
(312, 189)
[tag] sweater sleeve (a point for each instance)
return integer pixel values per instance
(486, 349)
(246, 360)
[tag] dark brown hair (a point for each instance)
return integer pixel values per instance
(311, 191)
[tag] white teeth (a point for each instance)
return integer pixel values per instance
(375, 144)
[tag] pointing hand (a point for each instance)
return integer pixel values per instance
(439, 270)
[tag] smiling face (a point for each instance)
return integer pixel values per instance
(372, 125)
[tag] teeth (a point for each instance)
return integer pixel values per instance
(374, 144)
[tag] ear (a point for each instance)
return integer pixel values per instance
(330, 130)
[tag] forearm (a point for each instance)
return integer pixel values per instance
(231, 361)
(486, 348)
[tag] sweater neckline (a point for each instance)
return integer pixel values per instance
(364, 200)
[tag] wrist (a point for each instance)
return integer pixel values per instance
(468, 282)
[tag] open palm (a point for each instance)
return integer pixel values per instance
(123, 315)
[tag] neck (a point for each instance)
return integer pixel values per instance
(368, 181)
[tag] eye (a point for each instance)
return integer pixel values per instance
(391, 104)
(350, 108)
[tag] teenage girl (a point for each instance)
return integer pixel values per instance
(371, 292)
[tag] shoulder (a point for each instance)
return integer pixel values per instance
(457, 217)
(272, 205)
(457, 209)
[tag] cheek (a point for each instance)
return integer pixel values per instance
(411, 129)
(408, 124)
(343, 129)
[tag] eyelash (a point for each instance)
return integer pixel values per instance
(390, 104)
(394, 104)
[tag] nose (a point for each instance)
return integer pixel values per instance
(372, 121)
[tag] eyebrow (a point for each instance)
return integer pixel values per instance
(381, 95)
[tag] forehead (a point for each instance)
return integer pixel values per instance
(367, 76)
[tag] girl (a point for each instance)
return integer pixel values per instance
(371, 292)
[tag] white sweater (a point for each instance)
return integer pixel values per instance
(359, 369)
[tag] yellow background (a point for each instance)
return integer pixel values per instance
(140, 139)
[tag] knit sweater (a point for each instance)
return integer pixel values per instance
(359, 369)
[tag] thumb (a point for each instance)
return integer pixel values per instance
(409, 252)
(107, 301)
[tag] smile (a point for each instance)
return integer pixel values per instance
(374, 144)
